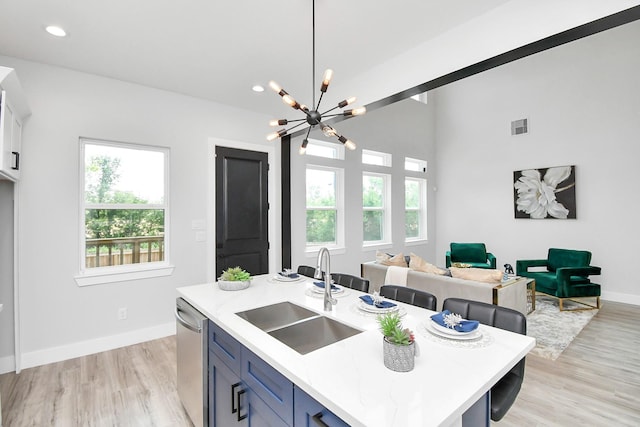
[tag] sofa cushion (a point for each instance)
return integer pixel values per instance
(419, 264)
(545, 281)
(468, 252)
(477, 274)
(386, 259)
(558, 258)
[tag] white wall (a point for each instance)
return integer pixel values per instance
(583, 103)
(58, 318)
(404, 129)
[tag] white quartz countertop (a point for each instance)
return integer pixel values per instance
(349, 377)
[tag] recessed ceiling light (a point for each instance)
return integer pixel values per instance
(56, 31)
(257, 88)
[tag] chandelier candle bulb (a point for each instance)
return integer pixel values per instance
(328, 74)
(346, 102)
(275, 86)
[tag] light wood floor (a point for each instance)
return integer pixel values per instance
(595, 382)
(131, 386)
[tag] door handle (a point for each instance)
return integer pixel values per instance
(186, 324)
(239, 394)
(317, 419)
(233, 396)
(17, 156)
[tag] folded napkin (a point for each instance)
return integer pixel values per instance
(458, 324)
(288, 275)
(382, 304)
(321, 285)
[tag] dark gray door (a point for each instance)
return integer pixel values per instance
(242, 207)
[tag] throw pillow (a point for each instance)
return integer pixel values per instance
(386, 259)
(418, 264)
(477, 274)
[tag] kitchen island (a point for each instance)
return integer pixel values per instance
(348, 377)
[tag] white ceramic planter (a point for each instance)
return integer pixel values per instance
(399, 358)
(227, 285)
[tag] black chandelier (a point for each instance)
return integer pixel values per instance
(313, 117)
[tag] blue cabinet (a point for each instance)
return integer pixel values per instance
(310, 413)
(224, 394)
(243, 389)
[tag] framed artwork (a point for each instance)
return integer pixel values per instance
(545, 193)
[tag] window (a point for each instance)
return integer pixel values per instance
(370, 157)
(415, 165)
(124, 202)
(415, 202)
(376, 217)
(324, 206)
(325, 149)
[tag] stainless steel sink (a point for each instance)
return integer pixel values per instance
(301, 329)
(312, 334)
(275, 316)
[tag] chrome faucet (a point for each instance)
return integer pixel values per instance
(329, 301)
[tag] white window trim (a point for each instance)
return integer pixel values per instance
(421, 164)
(385, 157)
(339, 149)
(422, 217)
(386, 209)
(112, 274)
(339, 245)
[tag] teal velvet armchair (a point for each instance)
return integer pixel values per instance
(474, 254)
(566, 277)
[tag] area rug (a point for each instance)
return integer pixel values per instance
(554, 329)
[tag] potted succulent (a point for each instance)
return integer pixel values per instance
(234, 279)
(398, 344)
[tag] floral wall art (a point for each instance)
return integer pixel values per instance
(545, 193)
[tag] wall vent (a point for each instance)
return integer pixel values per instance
(519, 127)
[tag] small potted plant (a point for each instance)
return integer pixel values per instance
(234, 279)
(398, 344)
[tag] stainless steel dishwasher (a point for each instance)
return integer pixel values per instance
(191, 349)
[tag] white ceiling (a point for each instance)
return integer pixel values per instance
(217, 50)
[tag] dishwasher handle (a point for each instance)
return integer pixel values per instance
(183, 322)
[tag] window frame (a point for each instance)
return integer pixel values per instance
(386, 210)
(337, 148)
(420, 164)
(422, 210)
(386, 159)
(117, 273)
(339, 208)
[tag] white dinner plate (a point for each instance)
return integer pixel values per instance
(430, 326)
(449, 331)
(280, 278)
(319, 290)
(373, 309)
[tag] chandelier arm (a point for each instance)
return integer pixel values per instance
(319, 101)
(325, 115)
(331, 109)
(293, 127)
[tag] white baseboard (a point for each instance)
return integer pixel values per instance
(618, 297)
(71, 351)
(7, 364)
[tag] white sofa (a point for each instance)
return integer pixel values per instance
(512, 294)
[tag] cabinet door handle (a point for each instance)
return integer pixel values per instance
(317, 419)
(233, 396)
(17, 156)
(240, 393)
